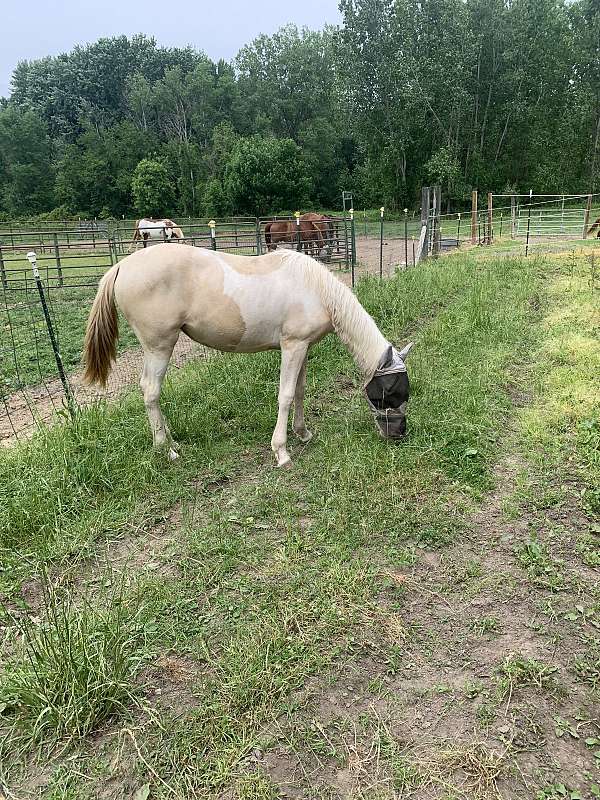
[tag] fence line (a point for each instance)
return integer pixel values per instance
(31, 391)
(43, 313)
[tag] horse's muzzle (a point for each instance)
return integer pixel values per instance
(390, 423)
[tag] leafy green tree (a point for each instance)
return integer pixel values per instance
(26, 165)
(93, 78)
(152, 188)
(483, 93)
(95, 172)
(286, 80)
(265, 175)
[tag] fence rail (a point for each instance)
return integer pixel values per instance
(68, 259)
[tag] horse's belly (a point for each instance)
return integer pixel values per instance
(230, 340)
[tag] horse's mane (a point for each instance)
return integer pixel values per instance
(351, 322)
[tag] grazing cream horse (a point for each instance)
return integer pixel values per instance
(282, 300)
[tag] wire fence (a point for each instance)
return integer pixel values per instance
(43, 312)
(43, 318)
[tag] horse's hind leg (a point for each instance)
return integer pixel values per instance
(156, 362)
(299, 426)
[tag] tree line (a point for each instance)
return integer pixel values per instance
(500, 94)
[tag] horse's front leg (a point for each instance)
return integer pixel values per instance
(299, 426)
(293, 354)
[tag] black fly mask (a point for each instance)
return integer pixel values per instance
(387, 393)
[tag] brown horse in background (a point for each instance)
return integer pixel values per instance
(325, 226)
(280, 232)
(285, 231)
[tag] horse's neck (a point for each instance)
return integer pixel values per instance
(360, 334)
(353, 325)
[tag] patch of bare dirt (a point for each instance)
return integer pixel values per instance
(33, 405)
(393, 255)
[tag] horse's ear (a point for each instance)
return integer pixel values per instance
(406, 350)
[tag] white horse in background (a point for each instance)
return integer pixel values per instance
(283, 300)
(154, 231)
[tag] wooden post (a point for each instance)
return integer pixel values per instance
(474, 217)
(586, 216)
(490, 217)
(425, 199)
(513, 216)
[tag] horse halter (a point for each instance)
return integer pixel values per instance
(387, 394)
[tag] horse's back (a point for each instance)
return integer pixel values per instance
(225, 301)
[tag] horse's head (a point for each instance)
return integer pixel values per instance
(387, 392)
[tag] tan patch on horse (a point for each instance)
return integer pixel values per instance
(261, 265)
(213, 318)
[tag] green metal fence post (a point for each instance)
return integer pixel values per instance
(406, 238)
(298, 236)
(32, 258)
(3, 271)
(352, 245)
(346, 248)
(528, 222)
(258, 243)
(381, 212)
(57, 257)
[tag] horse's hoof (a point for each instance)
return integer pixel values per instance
(285, 462)
(305, 436)
(172, 455)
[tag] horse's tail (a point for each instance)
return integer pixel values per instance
(102, 332)
(268, 234)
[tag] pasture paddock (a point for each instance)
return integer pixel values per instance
(413, 620)
(70, 268)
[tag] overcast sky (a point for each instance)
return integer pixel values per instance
(37, 28)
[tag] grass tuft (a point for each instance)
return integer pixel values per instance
(71, 670)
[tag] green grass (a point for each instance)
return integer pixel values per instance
(254, 583)
(72, 669)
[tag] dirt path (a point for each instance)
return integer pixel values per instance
(33, 405)
(466, 687)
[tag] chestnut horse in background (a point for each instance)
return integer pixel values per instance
(326, 227)
(285, 231)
